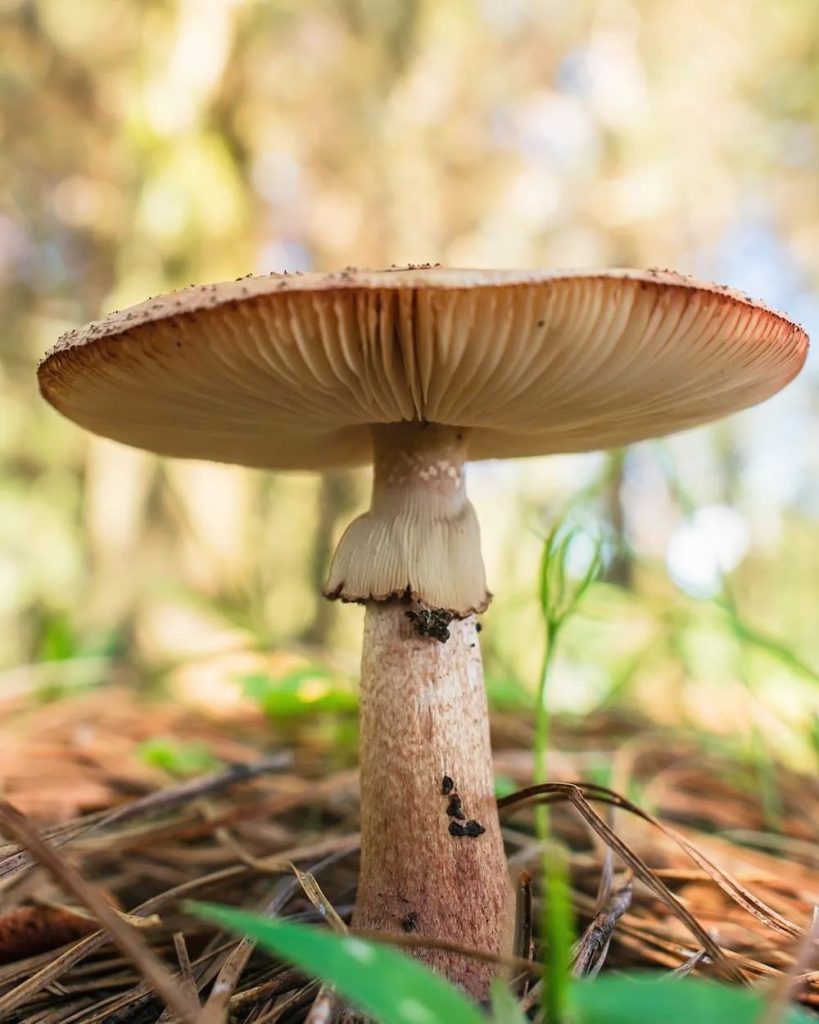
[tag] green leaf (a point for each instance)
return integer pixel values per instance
(617, 999)
(505, 1008)
(304, 690)
(560, 589)
(176, 758)
(381, 981)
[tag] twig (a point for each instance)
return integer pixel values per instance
(154, 803)
(325, 1004)
(578, 792)
(687, 966)
(216, 1007)
(273, 986)
(55, 968)
(324, 1008)
(605, 884)
(59, 836)
(574, 794)
(522, 945)
(165, 799)
(777, 1006)
(14, 823)
(313, 892)
(287, 1003)
(593, 947)
(185, 970)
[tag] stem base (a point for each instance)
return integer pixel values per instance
(423, 717)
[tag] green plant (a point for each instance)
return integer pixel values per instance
(304, 690)
(560, 593)
(379, 980)
(627, 999)
(182, 760)
(398, 990)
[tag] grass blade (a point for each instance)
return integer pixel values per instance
(505, 1008)
(616, 999)
(380, 981)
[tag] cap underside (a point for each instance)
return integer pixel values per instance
(290, 372)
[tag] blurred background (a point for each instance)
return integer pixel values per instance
(146, 145)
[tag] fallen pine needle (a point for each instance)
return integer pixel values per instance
(16, 825)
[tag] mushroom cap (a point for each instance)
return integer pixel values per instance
(291, 371)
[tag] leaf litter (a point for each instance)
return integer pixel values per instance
(701, 885)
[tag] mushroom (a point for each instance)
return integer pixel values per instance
(418, 371)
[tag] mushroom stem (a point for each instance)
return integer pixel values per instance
(420, 537)
(424, 719)
(432, 859)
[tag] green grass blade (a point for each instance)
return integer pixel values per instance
(558, 930)
(505, 1008)
(616, 999)
(560, 595)
(381, 981)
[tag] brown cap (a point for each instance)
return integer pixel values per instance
(289, 372)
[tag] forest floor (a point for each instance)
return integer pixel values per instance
(701, 880)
